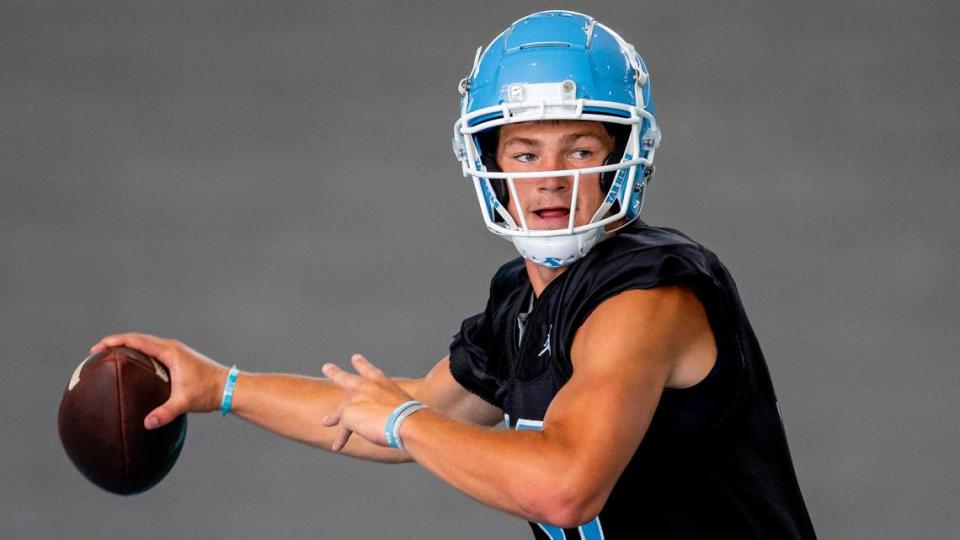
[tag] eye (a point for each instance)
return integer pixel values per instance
(581, 154)
(525, 157)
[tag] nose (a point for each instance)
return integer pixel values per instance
(554, 183)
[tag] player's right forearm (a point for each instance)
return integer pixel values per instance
(293, 406)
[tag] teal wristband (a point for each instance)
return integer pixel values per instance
(399, 421)
(388, 429)
(228, 391)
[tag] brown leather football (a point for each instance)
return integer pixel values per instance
(101, 421)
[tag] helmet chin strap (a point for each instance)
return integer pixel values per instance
(557, 251)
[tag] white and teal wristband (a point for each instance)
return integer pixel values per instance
(228, 387)
(391, 430)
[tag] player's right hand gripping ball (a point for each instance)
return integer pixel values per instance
(101, 421)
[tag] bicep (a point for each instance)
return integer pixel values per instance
(442, 392)
(623, 357)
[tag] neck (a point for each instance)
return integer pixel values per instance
(541, 276)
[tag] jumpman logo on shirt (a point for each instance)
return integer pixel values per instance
(546, 344)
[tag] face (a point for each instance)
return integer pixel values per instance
(552, 145)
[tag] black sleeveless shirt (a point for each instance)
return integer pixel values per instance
(714, 461)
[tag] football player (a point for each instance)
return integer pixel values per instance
(632, 396)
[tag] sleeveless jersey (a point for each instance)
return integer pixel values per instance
(714, 461)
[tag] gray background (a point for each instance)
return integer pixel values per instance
(273, 184)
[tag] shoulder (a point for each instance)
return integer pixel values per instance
(640, 243)
(643, 308)
(642, 257)
(668, 324)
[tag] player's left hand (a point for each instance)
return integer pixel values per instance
(371, 397)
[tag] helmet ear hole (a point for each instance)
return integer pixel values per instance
(620, 134)
(487, 142)
(499, 185)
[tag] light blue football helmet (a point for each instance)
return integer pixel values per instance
(558, 65)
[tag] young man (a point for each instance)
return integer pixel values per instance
(636, 397)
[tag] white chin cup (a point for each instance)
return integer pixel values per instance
(557, 251)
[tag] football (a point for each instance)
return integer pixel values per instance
(101, 421)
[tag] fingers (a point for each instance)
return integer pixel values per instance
(341, 378)
(333, 417)
(371, 396)
(145, 343)
(341, 439)
(164, 414)
(349, 381)
(343, 434)
(364, 367)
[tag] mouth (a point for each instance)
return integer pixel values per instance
(551, 217)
